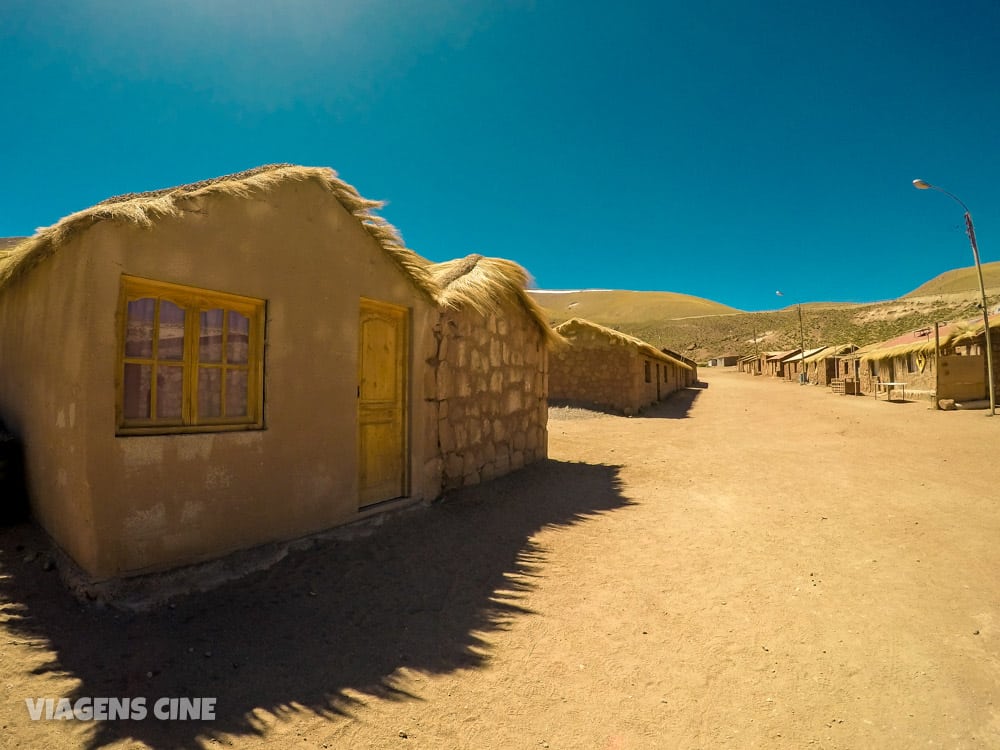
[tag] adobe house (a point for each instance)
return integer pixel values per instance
(951, 365)
(774, 362)
(610, 369)
(795, 364)
(749, 363)
(248, 359)
(829, 364)
(686, 376)
(727, 360)
(490, 367)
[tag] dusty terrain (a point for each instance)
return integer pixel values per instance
(751, 564)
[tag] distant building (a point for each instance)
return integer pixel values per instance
(610, 369)
(727, 360)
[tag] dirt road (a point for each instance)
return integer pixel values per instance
(752, 564)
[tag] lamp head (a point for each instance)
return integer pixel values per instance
(921, 185)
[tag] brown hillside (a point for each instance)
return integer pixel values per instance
(959, 280)
(702, 329)
(612, 307)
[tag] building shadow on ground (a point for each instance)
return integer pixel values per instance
(673, 406)
(324, 623)
(677, 406)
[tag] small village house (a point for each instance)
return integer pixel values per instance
(751, 363)
(794, 365)
(727, 360)
(250, 359)
(685, 376)
(946, 364)
(774, 362)
(829, 364)
(490, 370)
(610, 369)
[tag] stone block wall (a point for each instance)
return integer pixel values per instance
(599, 371)
(490, 394)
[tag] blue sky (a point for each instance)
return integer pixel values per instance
(721, 149)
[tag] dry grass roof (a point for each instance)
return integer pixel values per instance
(836, 350)
(798, 354)
(145, 209)
(484, 284)
(617, 337)
(912, 343)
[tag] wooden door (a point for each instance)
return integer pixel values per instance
(382, 377)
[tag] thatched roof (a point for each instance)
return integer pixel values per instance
(797, 354)
(484, 284)
(970, 329)
(680, 357)
(614, 337)
(831, 351)
(781, 356)
(910, 343)
(145, 209)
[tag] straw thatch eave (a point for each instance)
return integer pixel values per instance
(900, 350)
(146, 209)
(831, 351)
(617, 337)
(779, 356)
(963, 333)
(485, 285)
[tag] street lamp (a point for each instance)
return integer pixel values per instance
(971, 231)
(802, 343)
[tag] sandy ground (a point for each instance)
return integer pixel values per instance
(751, 564)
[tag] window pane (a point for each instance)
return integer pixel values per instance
(171, 331)
(236, 393)
(209, 392)
(136, 391)
(139, 328)
(210, 338)
(239, 336)
(169, 391)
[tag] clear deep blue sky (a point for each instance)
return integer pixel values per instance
(724, 149)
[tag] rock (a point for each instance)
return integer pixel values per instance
(946, 404)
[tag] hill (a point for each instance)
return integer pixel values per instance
(611, 307)
(701, 328)
(959, 280)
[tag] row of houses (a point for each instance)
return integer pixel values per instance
(935, 362)
(259, 357)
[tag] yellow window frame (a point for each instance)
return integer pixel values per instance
(193, 301)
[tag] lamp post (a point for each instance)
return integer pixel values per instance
(971, 231)
(802, 342)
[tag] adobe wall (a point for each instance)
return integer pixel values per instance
(128, 504)
(489, 394)
(895, 370)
